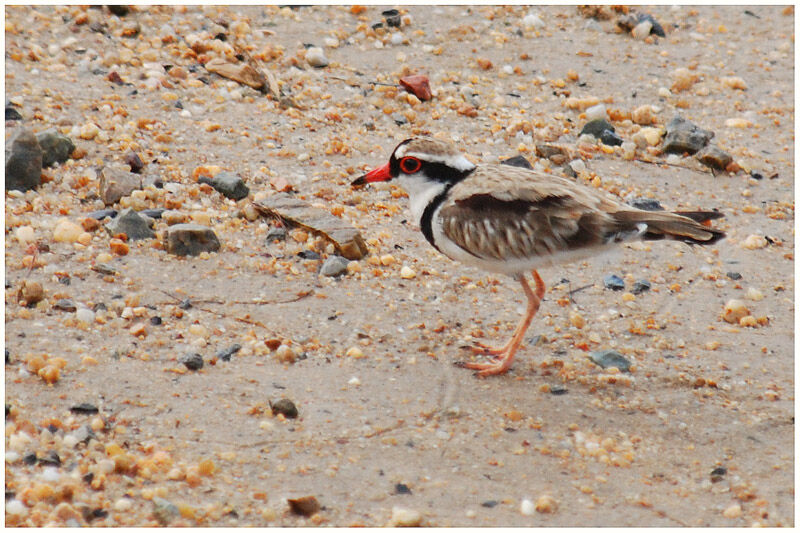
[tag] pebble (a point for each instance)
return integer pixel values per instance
(230, 185)
(596, 112)
(285, 407)
(613, 282)
(684, 137)
(23, 161)
(640, 286)
(56, 148)
(610, 358)
(316, 57)
(226, 353)
(103, 213)
(25, 235)
(546, 504)
(576, 320)
(407, 272)
(16, 508)
(644, 115)
(526, 507)
(192, 361)
(642, 30)
(354, 352)
(89, 131)
(403, 517)
(131, 224)
(418, 85)
(334, 265)
(734, 511)
(397, 38)
(30, 293)
(596, 127)
(714, 157)
(133, 160)
(532, 21)
(609, 138)
(754, 242)
(12, 113)
(734, 310)
(191, 239)
(67, 231)
(305, 506)
(517, 161)
(734, 276)
(683, 79)
(285, 354)
(733, 82)
(65, 304)
(116, 183)
(164, 510)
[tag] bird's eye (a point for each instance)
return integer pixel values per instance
(409, 165)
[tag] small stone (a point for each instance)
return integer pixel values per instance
(646, 204)
(526, 507)
(576, 320)
(131, 224)
(285, 354)
(305, 506)
(84, 409)
(613, 282)
(116, 183)
(85, 316)
(643, 115)
(284, 407)
(418, 85)
(119, 247)
(316, 57)
(165, 511)
(12, 113)
(640, 286)
(684, 137)
(25, 235)
(30, 293)
(596, 127)
(67, 231)
(734, 310)
(733, 82)
(65, 304)
(610, 358)
(517, 161)
(191, 239)
(546, 504)
(577, 166)
(655, 28)
(754, 294)
(23, 161)
(532, 21)
(334, 265)
(714, 157)
(647, 137)
(230, 185)
(683, 79)
(609, 138)
(642, 30)
(135, 162)
(56, 148)
(89, 131)
(734, 511)
(407, 272)
(276, 233)
(355, 352)
(402, 517)
(16, 508)
(226, 353)
(192, 361)
(735, 276)
(596, 112)
(754, 242)
(101, 214)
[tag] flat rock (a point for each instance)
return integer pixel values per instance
(714, 157)
(610, 358)
(23, 161)
(517, 161)
(116, 183)
(597, 127)
(293, 212)
(230, 185)
(56, 148)
(684, 137)
(191, 239)
(131, 224)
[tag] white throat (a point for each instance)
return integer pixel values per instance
(421, 192)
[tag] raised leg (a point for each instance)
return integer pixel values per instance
(504, 355)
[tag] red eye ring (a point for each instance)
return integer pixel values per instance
(410, 165)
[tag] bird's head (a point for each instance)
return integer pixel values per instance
(421, 159)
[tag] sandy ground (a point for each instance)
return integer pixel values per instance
(393, 430)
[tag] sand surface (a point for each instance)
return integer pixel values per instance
(699, 433)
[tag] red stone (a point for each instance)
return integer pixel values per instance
(418, 86)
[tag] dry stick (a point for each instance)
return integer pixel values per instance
(672, 165)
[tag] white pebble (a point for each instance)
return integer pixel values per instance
(84, 315)
(397, 38)
(642, 30)
(533, 22)
(16, 507)
(596, 112)
(123, 504)
(407, 272)
(402, 517)
(508, 69)
(12, 457)
(354, 381)
(754, 242)
(754, 294)
(526, 507)
(51, 474)
(316, 57)
(578, 166)
(331, 42)
(25, 235)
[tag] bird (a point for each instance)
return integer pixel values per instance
(510, 220)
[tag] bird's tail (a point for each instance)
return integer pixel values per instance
(692, 227)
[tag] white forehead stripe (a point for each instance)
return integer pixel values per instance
(459, 162)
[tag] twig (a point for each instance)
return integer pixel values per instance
(671, 165)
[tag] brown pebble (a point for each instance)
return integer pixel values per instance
(305, 506)
(418, 85)
(30, 293)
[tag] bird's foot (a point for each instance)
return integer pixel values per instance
(482, 349)
(498, 365)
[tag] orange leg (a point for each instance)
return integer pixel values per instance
(504, 355)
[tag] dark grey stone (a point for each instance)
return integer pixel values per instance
(684, 137)
(191, 239)
(103, 213)
(646, 204)
(597, 127)
(23, 161)
(11, 113)
(613, 282)
(610, 138)
(131, 224)
(640, 286)
(116, 183)
(230, 185)
(610, 358)
(517, 161)
(192, 361)
(56, 148)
